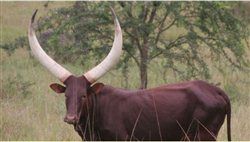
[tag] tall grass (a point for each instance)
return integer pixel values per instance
(36, 115)
(31, 111)
(239, 123)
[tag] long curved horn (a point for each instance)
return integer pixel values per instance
(42, 57)
(112, 58)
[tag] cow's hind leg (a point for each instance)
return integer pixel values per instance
(205, 135)
(210, 131)
(201, 133)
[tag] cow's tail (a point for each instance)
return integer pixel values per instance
(228, 120)
(228, 112)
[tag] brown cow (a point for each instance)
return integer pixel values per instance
(193, 110)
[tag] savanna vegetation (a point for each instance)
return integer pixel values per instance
(194, 44)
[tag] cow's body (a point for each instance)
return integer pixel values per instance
(187, 111)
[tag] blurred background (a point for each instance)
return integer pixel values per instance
(164, 42)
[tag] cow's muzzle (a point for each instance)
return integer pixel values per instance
(71, 119)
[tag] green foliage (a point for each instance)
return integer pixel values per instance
(71, 33)
(85, 29)
(210, 32)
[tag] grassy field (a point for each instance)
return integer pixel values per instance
(29, 110)
(15, 16)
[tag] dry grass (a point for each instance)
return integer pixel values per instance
(38, 114)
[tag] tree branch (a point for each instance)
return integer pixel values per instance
(160, 27)
(145, 12)
(135, 59)
(133, 38)
(169, 26)
(230, 60)
(223, 51)
(174, 43)
(154, 56)
(152, 15)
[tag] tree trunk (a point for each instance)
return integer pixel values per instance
(125, 76)
(143, 75)
(144, 66)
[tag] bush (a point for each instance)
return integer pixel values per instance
(19, 42)
(15, 86)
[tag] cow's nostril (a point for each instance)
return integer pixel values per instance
(70, 119)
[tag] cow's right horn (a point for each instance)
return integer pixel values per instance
(42, 57)
(113, 57)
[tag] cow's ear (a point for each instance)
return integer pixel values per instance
(97, 87)
(57, 88)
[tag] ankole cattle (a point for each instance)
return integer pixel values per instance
(193, 110)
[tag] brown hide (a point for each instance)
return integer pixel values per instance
(192, 110)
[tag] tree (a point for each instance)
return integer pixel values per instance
(84, 30)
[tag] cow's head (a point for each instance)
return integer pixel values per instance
(75, 88)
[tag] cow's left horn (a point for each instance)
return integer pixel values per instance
(112, 58)
(42, 57)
